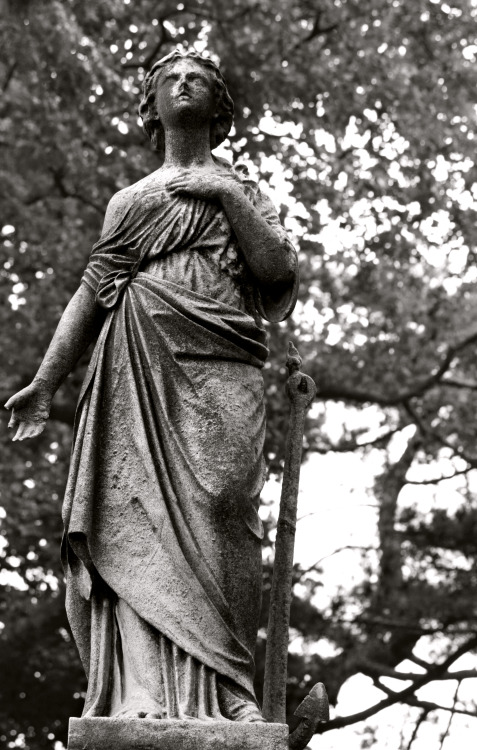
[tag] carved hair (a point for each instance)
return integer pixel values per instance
(151, 123)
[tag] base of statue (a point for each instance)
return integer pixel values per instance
(153, 734)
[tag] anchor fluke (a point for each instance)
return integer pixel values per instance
(311, 711)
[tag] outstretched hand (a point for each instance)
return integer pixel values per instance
(203, 184)
(30, 411)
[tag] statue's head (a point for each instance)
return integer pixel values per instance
(224, 109)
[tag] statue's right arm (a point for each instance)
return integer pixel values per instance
(78, 326)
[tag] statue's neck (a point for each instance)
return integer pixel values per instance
(188, 146)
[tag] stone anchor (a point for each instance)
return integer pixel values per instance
(301, 391)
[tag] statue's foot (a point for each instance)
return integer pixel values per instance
(235, 704)
(132, 713)
(145, 712)
(244, 712)
(251, 716)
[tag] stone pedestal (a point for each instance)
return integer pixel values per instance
(150, 734)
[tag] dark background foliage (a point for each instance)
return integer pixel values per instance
(368, 108)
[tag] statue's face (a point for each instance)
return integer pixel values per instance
(185, 90)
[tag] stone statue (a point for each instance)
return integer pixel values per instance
(162, 536)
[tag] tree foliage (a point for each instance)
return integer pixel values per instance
(364, 111)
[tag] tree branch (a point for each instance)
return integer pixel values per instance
(406, 695)
(431, 706)
(58, 180)
(422, 718)
(396, 624)
(377, 669)
(426, 705)
(362, 397)
(420, 662)
(164, 37)
(453, 712)
(427, 430)
(8, 77)
(347, 446)
(336, 552)
(436, 480)
(453, 383)
(316, 31)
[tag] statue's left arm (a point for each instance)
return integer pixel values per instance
(268, 253)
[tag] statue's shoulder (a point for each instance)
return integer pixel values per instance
(121, 199)
(126, 198)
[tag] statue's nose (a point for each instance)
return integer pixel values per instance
(182, 85)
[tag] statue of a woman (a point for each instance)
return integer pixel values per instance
(162, 535)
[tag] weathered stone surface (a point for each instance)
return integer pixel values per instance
(147, 734)
(162, 549)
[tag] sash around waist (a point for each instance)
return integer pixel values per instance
(204, 327)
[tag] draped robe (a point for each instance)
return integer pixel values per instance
(162, 533)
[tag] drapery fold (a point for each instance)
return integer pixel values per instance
(162, 533)
(166, 471)
(160, 224)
